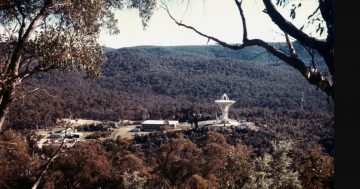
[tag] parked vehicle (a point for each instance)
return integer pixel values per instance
(135, 130)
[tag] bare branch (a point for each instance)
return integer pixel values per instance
(290, 45)
(312, 55)
(222, 43)
(22, 23)
(54, 156)
(27, 73)
(238, 4)
(292, 30)
(295, 62)
(327, 12)
(37, 69)
(36, 89)
(29, 59)
(253, 58)
(313, 76)
(15, 59)
(11, 143)
(315, 11)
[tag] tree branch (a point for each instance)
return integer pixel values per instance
(313, 76)
(15, 59)
(222, 43)
(293, 61)
(36, 89)
(54, 156)
(22, 23)
(290, 45)
(292, 30)
(327, 12)
(238, 4)
(312, 55)
(37, 69)
(315, 11)
(253, 58)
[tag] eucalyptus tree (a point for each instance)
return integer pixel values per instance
(322, 19)
(42, 35)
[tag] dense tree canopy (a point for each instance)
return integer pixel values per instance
(38, 36)
(206, 157)
(167, 82)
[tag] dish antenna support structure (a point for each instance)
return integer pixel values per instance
(224, 103)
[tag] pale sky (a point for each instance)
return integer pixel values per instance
(220, 19)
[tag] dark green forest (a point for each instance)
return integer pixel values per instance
(54, 67)
(162, 82)
(170, 83)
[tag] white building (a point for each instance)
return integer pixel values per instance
(156, 124)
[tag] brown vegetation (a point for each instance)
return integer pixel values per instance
(198, 158)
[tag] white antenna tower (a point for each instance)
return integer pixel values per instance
(301, 108)
(302, 101)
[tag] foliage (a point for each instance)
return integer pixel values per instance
(39, 36)
(15, 161)
(134, 180)
(86, 165)
(262, 177)
(156, 83)
(275, 170)
(283, 173)
(317, 170)
(97, 135)
(199, 158)
(324, 47)
(141, 81)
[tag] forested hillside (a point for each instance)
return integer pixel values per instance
(294, 147)
(167, 82)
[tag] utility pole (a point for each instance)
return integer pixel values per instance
(301, 107)
(302, 101)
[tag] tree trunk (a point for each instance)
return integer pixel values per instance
(7, 99)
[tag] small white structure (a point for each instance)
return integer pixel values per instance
(224, 104)
(156, 124)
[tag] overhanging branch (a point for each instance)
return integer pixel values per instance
(290, 45)
(37, 88)
(292, 30)
(327, 12)
(238, 4)
(15, 58)
(222, 43)
(313, 76)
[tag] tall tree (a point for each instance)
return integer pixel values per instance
(275, 171)
(325, 48)
(42, 35)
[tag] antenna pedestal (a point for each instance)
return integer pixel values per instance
(224, 103)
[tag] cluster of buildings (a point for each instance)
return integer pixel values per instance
(224, 104)
(68, 133)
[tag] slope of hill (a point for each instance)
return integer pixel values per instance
(166, 82)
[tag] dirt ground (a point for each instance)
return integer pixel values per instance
(123, 131)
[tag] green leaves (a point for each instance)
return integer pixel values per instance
(65, 33)
(145, 8)
(275, 171)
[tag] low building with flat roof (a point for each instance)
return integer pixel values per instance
(157, 124)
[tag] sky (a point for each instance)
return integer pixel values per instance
(220, 19)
